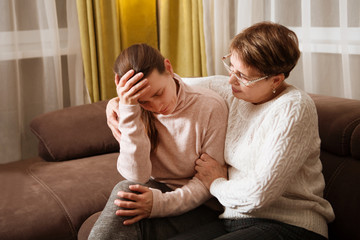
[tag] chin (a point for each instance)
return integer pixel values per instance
(238, 95)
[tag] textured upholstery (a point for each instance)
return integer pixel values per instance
(87, 123)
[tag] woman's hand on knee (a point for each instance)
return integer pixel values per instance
(136, 205)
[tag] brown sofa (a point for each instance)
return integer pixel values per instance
(51, 196)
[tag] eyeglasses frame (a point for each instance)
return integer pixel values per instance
(246, 84)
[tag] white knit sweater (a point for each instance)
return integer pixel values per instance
(273, 150)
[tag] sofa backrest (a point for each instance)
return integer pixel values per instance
(339, 128)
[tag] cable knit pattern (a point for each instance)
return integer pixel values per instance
(273, 154)
(198, 125)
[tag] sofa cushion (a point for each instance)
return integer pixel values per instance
(51, 200)
(86, 227)
(339, 120)
(56, 131)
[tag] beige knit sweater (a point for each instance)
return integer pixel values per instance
(198, 125)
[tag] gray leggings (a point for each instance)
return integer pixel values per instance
(110, 226)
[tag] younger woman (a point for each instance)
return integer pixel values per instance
(165, 126)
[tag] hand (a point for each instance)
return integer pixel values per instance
(112, 114)
(127, 88)
(137, 205)
(208, 169)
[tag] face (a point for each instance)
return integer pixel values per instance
(162, 96)
(258, 92)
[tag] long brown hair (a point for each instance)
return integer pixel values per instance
(142, 58)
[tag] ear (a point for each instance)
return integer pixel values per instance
(168, 67)
(277, 80)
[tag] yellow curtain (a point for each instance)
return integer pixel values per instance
(138, 23)
(181, 36)
(107, 27)
(100, 44)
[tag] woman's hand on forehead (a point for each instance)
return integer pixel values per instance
(129, 87)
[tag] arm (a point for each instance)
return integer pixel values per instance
(194, 193)
(280, 154)
(134, 158)
(134, 162)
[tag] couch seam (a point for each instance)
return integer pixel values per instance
(332, 178)
(56, 198)
(354, 122)
(42, 140)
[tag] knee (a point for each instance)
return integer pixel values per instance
(123, 186)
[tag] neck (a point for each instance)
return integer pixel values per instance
(279, 90)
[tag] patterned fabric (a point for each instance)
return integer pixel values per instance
(272, 150)
(273, 154)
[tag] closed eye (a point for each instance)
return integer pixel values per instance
(158, 94)
(241, 75)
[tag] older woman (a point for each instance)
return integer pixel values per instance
(273, 186)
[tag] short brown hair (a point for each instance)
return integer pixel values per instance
(269, 47)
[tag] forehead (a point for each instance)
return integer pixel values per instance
(157, 82)
(240, 66)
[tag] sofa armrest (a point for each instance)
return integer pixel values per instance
(339, 129)
(74, 132)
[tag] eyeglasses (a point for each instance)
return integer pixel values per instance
(242, 79)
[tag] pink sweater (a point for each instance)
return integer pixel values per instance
(198, 125)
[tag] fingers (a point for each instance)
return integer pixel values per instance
(133, 84)
(112, 117)
(138, 90)
(139, 188)
(129, 196)
(133, 220)
(129, 79)
(201, 162)
(117, 134)
(125, 204)
(121, 82)
(117, 79)
(206, 157)
(132, 87)
(112, 114)
(136, 204)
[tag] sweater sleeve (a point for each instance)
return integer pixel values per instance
(194, 193)
(134, 159)
(291, 130)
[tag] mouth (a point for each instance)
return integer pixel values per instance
(235, 90)
(164, 110)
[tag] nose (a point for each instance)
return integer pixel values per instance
(233, 80)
